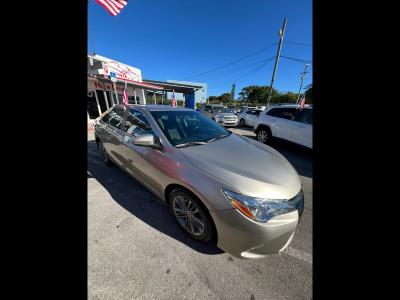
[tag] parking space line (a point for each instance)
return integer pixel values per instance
(304, 256)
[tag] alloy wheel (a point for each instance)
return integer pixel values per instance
(188, 215)
(262, 136)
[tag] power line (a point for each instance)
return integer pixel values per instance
(219, 74)
(300, 44)
(297, 59)
(231, 63)
(252, 71)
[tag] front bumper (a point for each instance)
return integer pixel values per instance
(228, 122)
(245, 238)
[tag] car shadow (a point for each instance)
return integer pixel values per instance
(300, 157)
(139, 201)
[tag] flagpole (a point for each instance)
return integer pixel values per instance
(125, 101)
(115, 90)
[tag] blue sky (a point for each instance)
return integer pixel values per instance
(176, 39)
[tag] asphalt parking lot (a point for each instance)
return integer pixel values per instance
(136, 250)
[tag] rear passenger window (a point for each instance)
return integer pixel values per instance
(114, 117)
(304, 116)
(273, 112)
(136, 123)
(287, 113)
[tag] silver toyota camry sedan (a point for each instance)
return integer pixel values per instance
(219, 186)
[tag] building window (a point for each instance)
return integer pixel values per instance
(92, 106)
(131, 100)
(102, 100)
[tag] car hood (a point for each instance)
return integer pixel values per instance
(226, 114)
(251, 168)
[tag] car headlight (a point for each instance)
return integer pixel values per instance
(263, 209)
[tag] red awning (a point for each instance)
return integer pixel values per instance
(144, 85)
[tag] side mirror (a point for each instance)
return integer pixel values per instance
(147, 140)
(144, 140)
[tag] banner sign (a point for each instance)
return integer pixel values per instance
(120, 71)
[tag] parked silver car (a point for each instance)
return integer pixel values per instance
(219, 185)
(221, 115)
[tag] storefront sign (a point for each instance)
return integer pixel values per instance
(108, 87)
(121, 71)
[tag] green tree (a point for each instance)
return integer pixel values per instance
(288, 97)
(225, 98)
(258, 94)
(213, 100)
(233, 91)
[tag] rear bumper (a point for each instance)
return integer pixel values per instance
(248, 239)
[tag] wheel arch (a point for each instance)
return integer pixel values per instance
(263, 126)
(171, 187)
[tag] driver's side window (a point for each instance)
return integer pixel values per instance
(136, 123)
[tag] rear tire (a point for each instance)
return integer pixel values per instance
(191, 215)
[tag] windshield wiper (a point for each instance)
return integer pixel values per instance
(219, 137)
(202, 143)
(189, 144)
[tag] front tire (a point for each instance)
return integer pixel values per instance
(242, 123)
(191, 215)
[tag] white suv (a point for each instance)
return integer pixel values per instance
(286, 122)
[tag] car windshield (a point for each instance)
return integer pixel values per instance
(188, 127)
(221, 109)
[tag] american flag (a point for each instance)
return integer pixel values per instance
(114, 7)
(302, 102)
(124, 98)
(173, 101)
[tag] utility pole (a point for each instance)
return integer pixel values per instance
(281, 34)
(302, 80)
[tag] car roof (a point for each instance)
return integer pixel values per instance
(288, 106)
(159, 107)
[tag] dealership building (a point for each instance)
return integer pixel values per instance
(107, 79)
